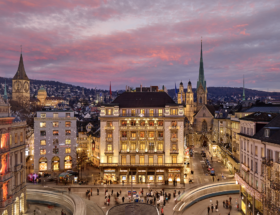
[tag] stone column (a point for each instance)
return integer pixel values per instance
(182, 176)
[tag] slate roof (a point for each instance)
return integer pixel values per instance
(211, 108)
(274, 134)
(21, 74)
(143, 99)
(271, 109)
(259, 117)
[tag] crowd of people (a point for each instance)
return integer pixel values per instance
(226, 204)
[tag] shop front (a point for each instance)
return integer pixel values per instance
(132, 176)
(123, 176)
(173, 175)
(258, 207)
(151, 177)
(160, 176)
(141, 176)
(43, 164)
(110, 175)
(243, 200)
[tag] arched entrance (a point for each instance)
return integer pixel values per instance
(68, 162)
(21, 203)
(55, 163)
(203, 141)
(43, 164)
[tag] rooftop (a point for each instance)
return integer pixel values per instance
(259, 117)
(268, 109)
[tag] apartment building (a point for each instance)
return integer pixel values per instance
(253, 162)
(141, 139)
(12, 165)
(55, 136)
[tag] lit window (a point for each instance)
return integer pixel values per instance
(43, 164)
(55, 124)
(151, 112)
(109, 159)
(142, 160)
(160, 161)
(174, 159)
(68, 150)
(142, 146)
(133, 112)
(124, 146)
(174, 111)
(142, 111)
(67, 132)
(132, 146)
(124, 122)
(142, 134)
(151, 123)
(67, 124)
(142, 123)
(55, 132)
(124, 134)
(109, 148)
(160, 123)
(151, 159)
(67, 115)
(132, 159)
(109, 111)
(43, 115)
(124, 112)
(42, 124)
(123, 159)
(133, 134)
(160, 134)
(151, 134)
(160, 112)
(109, 135)
(174, 147)
(133, 123)
(42, 142)
(21, 137)
(16, 138)
(43, 151)
(68, 141)
(68, 162)
(55, 141)
(42, 133)
(160, 146)
(109, 124)
(55, 115)
(174, 124)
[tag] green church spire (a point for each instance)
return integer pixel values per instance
(243, 98)
(201, 79)
(5, 96)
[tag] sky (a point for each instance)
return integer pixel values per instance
(131, 42)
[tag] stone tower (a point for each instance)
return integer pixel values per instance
(189, 110)
(201, 89)
(21, 84)
(181, 94)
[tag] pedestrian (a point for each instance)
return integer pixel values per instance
(162, 211)
(109, 197)
(208, 209)
(147, 200)
(237, 206)
(155, 199)
(97, 191)
(91, 191)
(108, 201)
(217, 202)
(229, 207)
(69, 189)
(112, 192)
(62, 213)
(164, 202)
(218, 179)
(223, 203)
(230, 199)
(213, 178)
(212, 208)
(120, 191)
(179, 192)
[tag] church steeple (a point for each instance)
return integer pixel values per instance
(21, 74)
(5, 96)
(201, 79)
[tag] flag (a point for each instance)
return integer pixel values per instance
(175, 91)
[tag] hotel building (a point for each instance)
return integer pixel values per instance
(141, 139)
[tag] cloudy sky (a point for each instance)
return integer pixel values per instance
(129, 42)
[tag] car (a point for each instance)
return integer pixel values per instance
(72, 172)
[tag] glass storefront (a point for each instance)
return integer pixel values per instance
(258, 207)
(110, 176)
(43, 164)
(160, 178)
(123, 178)
(141, 178)
(133, 178)
(151, 178)
(68, 162)
(243, 207)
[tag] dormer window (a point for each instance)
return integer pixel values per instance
(266, 132)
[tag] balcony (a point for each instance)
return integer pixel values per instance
(17, 167)
(133, 127)
(267, 161)
(245, 168)
(6, 202)
(159, 138)
(143, 164)
(109, 127)
(160, 128)
(151, 127)
(123, 127)
(174, 152)
(142, 127)
(141, 115)
(109, 152)
(132, 138)
(109, 139)
(174, 139)
(123, 138)
(173, 127)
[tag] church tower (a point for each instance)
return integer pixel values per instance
(181, 95)
(189, 110)
(201, 89)
(21, 84)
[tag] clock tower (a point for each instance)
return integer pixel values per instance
(21, 84)
(201, 89)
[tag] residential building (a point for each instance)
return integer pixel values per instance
(141, 139)
(12, 165)
(54, 140)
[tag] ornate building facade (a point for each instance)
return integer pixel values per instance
(44, 100)
(21, 84)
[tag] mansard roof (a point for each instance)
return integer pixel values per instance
(21, 74)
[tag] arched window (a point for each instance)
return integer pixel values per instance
(55, 163)
(204, 126)
(68, 162)
(43, 164)
(200, 100)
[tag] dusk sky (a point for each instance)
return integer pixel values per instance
(92, 42)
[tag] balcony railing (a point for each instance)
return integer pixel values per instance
(123, 138)
(6, 176)
(109, 139)
(159, 127)
(141, 115)
(159, 138)
(109, 152)
(174, 152)
(143, 164)
(174, 138)
(123, 127)
(17, 167)
(4, 149)
(109, 127)
(6, 202)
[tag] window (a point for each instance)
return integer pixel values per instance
(174, 111)
(55, 141)
(174, 159)
(21, 137)
(160, 123)
(160, 161)
(142, 146)
(55, 124)
(109, 148)
(251, 131)
(266, 132)
(67, 132)
(160, 134)
(42, 124)
(204, 126)
(43, 164)
(151, 123)
(142, 111)
(151, 159)
(124, 134)
(123, 159)
(132, 159)
(68, 162)
(133, 122)
(42, 142)
(248, 131)
(142, 134)
(160, 146)
(151, 134)
(256, 167)
(142, 123)
(109, 159)
(55, 115)
(142, 160)
(151, 146)
(133, 135)
(124, 122)
(159, 112)
(43, 151)
(109, 111)
(173, 134)
(257, 184)
(68, 141)
(67, 124)
(151, 112)
(68, 150)
(133, 112)
(110, 124)
(200, 100)
(124, 146)
(55, 132)
(174, 124)
(133, 146)
(174, 147)
(124, 112)
(256, 150)
(43, 115)
(42, 133)
(109, 135)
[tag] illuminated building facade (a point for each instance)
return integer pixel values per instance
(55, 135)
(12, 163)
(141, 139)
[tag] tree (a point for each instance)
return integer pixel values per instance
(81, 158)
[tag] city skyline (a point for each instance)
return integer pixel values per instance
(131, 43)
